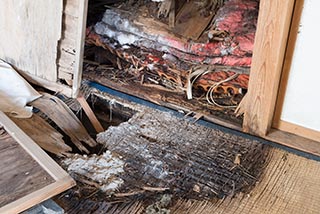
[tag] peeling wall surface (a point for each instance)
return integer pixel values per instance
(30, 31)
(301, 104)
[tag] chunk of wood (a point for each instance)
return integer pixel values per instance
(43, 134)
(172, 14)
(92, 117)
(67, 121)
(165, 8)
(191, 21)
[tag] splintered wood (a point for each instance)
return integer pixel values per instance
(65, 119)
(192, 161)
(43, 134)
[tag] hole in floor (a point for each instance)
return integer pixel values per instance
(108, 112)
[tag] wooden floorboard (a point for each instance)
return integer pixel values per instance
(20, 173)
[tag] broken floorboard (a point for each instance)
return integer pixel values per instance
(43, 134)
(65, 119)
(28, 175)
(224, 117)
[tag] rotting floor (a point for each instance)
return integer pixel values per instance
(282, 182)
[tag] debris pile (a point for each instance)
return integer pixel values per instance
(138, 41)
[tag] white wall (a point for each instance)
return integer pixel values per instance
(302, 99)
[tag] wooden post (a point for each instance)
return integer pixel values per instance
(268, 56)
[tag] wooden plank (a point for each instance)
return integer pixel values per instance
(268, 55)
(172, 14)
(294, 141)
(83, 11)
(63, 117)
(30, 33)
(62, 180)
(67, 45)
(92, 117)
(43, 134)
(20, 174)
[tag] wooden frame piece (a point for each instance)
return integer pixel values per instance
(294, 141)
(277, 122)
(62, 180)
(77, 77)
(268, 56)
(298, 130)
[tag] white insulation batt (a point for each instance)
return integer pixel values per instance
(15, 92)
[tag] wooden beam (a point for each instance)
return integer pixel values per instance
(299, 130)
(268, 56)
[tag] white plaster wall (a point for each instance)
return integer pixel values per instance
(302, 100)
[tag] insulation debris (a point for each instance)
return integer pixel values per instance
(103, 169)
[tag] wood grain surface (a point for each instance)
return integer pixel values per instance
(268, 56)
(43, 134)
(31, 165)
(20, 173)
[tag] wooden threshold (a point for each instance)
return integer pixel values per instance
(61, 180)
(296, 129)
(294, 141)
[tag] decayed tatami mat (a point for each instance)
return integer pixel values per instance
(290, 184)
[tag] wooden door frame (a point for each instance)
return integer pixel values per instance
(277, 122)
(274, 46)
